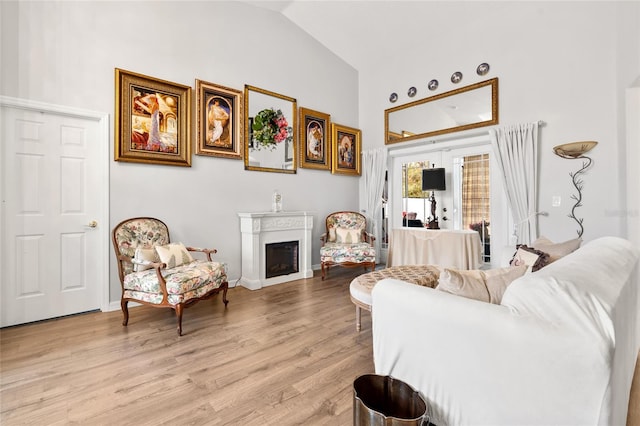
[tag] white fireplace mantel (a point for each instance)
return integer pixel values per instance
(262, 228)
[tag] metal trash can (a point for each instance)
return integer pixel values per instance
(385, 401)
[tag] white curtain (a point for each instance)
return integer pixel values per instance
(516, 149)
(374, 165)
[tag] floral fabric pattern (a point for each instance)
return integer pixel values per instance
(143, 233)
(339, 253)
(345, 220)
(182, 281)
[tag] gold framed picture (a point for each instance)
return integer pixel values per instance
(314, 134)
(220, 129)
(153, 120)
(346, 150)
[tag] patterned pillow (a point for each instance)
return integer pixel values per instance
(534, 259)
(145, 254)
(347, 236)
(174, 254)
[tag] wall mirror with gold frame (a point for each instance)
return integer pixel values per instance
(460, 109)
(270, 131)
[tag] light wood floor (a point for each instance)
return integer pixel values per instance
(283, 355)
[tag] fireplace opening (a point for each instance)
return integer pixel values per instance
(281, 259)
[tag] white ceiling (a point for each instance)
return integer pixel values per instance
(361, 32)
(366, 32)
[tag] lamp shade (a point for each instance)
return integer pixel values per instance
(433, 179)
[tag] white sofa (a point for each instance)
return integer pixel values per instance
(560, 349)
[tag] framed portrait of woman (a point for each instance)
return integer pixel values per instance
(152, 120)
(220, 111)
(314, 135)
(346, 150)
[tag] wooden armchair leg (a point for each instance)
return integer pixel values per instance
(322, 270)
(179, 315)
(224, 294)
(125, 311)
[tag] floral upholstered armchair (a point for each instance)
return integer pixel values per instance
(155, 272)
(347, 242)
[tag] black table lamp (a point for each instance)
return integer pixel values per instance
(433, 180)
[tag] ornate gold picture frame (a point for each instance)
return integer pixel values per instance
(347, 150)
(220, 112)
(152, 120)
(314, 134)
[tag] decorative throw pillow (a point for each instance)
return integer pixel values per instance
(486, 286)
(556, 250)
(332, 235)
(174, 254)
(534, 259)
(497, 280)
(348, 236)
(145, 254)
(469, 284)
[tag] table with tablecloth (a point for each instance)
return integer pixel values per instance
(446, 248)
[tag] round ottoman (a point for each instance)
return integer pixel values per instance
(361, 286)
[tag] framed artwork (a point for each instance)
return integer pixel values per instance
(314, 132)
(346, 150)
(220, 115)
(153, 120)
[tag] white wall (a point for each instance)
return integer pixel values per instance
(566, 63)
(65, 53)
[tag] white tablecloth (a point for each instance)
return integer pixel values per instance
(450, 249)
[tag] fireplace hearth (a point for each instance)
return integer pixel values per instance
(276, 247)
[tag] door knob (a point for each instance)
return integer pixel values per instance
(92, 224)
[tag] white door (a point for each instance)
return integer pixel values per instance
(54, 177)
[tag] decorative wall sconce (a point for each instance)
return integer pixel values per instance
(572, 151)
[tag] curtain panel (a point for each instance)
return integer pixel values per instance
(374, 166)
(516, 151)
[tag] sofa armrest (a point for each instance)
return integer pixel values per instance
(480, 363)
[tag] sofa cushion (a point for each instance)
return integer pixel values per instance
(498, 280)
(469, 284)
(556, 250)
(486, 286)
(534, 259)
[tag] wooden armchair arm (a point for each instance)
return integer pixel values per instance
(206, 251)
(323, 239)
(158, 266)
(370, 238)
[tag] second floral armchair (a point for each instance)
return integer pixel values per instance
(346, 242)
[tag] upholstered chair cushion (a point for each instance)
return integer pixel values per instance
(184, 282)
(340, 253)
